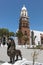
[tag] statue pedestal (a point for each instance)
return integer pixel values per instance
(19, 62)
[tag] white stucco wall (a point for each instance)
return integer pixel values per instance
(36, 33)
(38, 38)
(16, 40)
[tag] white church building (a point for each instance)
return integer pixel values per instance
(38, 40)
(38, 34)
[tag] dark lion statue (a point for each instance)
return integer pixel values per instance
(18, 53)
(12, 52)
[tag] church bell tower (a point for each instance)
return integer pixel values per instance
(24, 26)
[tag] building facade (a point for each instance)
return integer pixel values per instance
(30, 37)
(38, 35)
(24, 26)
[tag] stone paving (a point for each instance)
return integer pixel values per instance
(27, 53)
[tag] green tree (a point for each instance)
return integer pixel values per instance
(19, 34)
(11, 34)
(25, 39)
(4, 34)
(4, 31)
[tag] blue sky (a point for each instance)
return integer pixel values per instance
(10, 13)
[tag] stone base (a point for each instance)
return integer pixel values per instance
(19, 62)
(22, 62)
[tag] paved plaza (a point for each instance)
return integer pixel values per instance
(26, 53)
